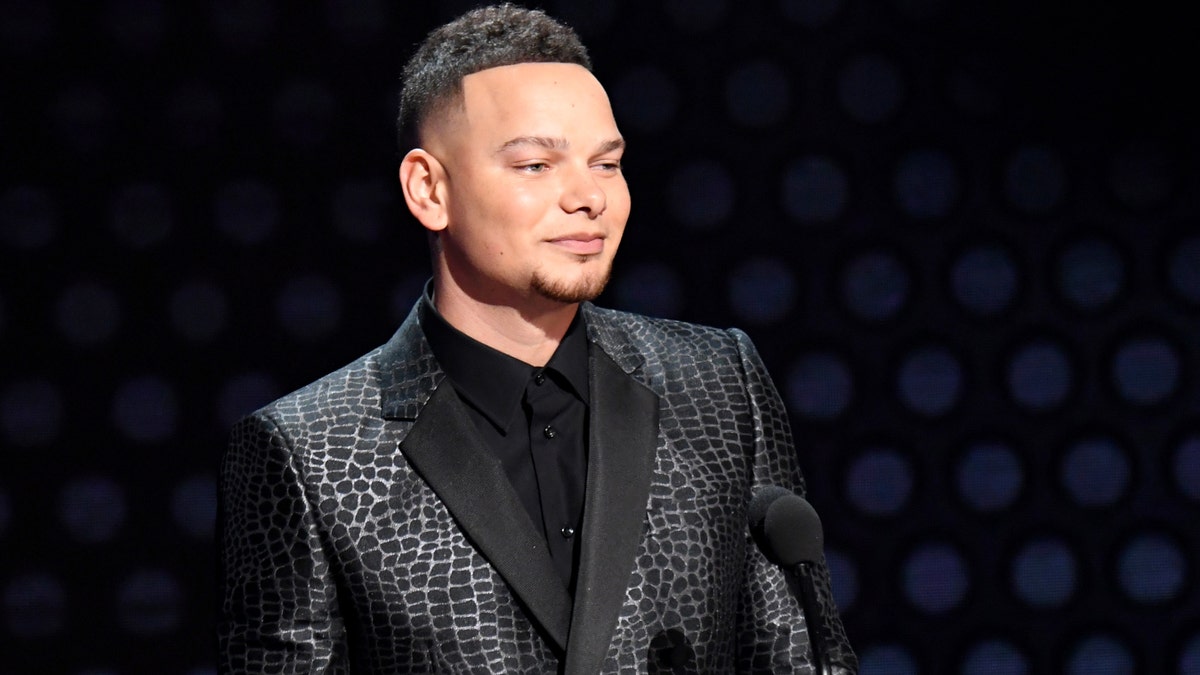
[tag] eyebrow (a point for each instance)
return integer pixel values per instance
(612, 145)
(553, 143)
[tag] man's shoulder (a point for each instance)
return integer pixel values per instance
(634, 324)
(355, 388)
(617, 329)
(352, 388)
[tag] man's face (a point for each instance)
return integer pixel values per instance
(535, 199)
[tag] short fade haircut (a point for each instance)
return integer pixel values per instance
(483, 38)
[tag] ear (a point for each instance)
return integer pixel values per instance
(423, 180)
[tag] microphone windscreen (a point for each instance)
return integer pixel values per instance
(761, 503)
(789, 525)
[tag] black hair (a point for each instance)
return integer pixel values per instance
(483, 38)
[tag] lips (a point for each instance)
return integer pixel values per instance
(580, 244)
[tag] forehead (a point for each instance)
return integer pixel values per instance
(531, 74)
(533, 93)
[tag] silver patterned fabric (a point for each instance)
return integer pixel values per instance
(364, 528)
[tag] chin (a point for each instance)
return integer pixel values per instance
(579, 289)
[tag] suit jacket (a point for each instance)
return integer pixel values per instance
(366, 529)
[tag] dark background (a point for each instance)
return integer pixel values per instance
(963, 235)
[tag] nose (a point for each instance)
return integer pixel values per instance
(583, 192)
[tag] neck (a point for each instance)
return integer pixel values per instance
(529, 332)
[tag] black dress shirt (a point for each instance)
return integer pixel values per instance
(533, 419)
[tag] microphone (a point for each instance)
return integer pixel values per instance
(789, 532)
(670, 653)
(789, 525)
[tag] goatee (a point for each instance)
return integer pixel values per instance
(579, 290)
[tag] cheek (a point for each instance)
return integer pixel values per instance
(619, 205)
(618, 194)
(522, 204)
(523, 212)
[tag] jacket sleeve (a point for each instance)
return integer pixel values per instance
(278, 611)
(770, 620)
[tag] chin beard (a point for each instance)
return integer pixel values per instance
(587, 288)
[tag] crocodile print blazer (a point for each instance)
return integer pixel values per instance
(365, 529)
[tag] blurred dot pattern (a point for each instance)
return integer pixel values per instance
(964, 236)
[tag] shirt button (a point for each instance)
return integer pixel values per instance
(539, 379)
(567, 532)
(549, 432)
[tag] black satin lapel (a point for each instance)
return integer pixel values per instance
(445, 449)
(622, 440)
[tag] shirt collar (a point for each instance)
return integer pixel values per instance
(492, 381)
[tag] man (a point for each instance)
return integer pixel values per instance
(518, 481)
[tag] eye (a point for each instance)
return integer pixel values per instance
(533, 167)
(609, 165)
